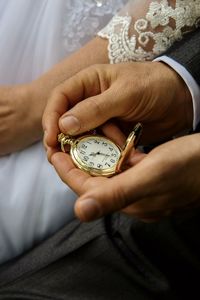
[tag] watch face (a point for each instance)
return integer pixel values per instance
(96, 154)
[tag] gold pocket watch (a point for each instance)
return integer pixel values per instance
(98, 155)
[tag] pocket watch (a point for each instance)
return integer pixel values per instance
(98, 155)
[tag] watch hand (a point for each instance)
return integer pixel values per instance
(104, 154)
(98, 153)
(92, 154)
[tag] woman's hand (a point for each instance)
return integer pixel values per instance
(164, 182)
(20, 118)
(151, 93)
(22, 107)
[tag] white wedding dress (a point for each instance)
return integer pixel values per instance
(34, 35)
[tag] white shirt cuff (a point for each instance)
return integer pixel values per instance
(191, 84)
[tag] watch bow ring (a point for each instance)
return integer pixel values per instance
(98, 155)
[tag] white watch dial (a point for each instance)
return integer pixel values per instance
(98, 152)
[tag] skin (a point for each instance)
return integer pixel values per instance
(164, 181)
(126, 93)
(22, 106)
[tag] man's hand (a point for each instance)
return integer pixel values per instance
(150, 92)
(164, 182)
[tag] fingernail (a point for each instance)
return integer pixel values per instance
(44, 139)
(88, 209)
(49, 156)
(70, 124)
(45, 134)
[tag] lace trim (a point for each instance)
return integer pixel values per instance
(124, 46)
(84, 18)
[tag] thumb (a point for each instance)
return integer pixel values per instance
(113, 195)
(89, 114)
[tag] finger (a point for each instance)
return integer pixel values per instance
(143, 181)
(49, 150)
(79, 181)
(56, 106)
(135, 157)
(87, 83)
(68, 172)
(66, 95)
(90, 113)
(115, 194)
(113, 132)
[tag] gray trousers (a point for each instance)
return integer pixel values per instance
(117, 257)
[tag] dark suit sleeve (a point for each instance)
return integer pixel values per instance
(187, 53)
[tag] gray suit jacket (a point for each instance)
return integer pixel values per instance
(187, 53)
(116, 257)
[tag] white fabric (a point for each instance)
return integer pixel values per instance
(191, 84)
(34, 35)
(137, 34)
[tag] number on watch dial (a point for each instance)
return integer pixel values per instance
(98, 153)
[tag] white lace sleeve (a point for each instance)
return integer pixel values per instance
(145, 29)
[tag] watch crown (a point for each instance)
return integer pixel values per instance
(64, 140)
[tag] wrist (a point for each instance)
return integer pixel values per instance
(34, 101)
(181, 112)
(184, 105)
(188, 108)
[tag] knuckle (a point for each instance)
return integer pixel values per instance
(88, 72)
(54, 92)
(89, 185)
(44, 121)
(90, 105)
(100, 74)
(96, 106)
(58, 92)
(120, 196)
(97, 67)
